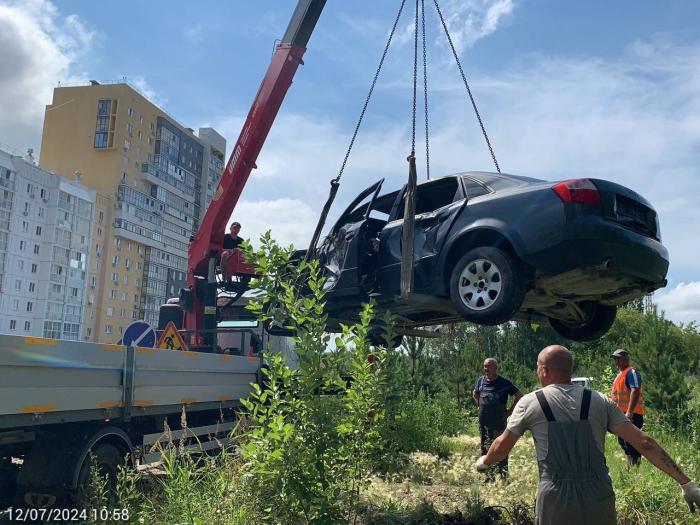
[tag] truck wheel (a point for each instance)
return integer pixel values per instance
(106, 460)
(487, 286)
(600, 318)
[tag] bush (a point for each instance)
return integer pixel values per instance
(307, 453)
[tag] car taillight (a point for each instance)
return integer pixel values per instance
(578, 191)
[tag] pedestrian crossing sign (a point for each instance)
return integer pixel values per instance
(171, 339)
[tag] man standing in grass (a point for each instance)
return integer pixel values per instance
(627, 395)
(491, 393)
(568, 424)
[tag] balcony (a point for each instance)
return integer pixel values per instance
(157, 176)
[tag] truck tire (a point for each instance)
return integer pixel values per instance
(601, 318)
(487, 286)
(107, 459)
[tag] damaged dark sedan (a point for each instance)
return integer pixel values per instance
(490, 248)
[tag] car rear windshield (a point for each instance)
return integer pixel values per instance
(501, 182)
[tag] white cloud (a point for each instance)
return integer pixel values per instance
(290, 220)
(147, 90)
(40, 47)
(682, 304)
(471, 20)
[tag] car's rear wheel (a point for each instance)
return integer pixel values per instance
(487, 286)
(600, 317)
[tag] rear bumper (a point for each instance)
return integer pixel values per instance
(594, 242)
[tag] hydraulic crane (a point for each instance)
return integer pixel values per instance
(196, 310)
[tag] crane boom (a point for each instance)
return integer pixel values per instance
(207, 243)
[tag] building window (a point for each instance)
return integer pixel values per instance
(40, 212)
(94, 282)
(125, 160)
(36, 249)
(104, 107)
(102, 125)
(115, 277)
(74, 291)
(18, 285)
(13, 324)
(88, 331)
(110, 311)
(108, 328)
(34, 267)
(130, 112)
(134, 315)
(99, 232)
(27, 326)
(129, 128)
(38, 230)
(100, 140)
(15, 304)
(112, 294)
(20, 264)
(127, 145)
(32, 286)
(25, 226)
(30, 306)
(22, 245)
(122, 313)
(101, 216)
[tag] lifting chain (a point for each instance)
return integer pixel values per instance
(466, 84)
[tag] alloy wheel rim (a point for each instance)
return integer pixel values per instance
(480, 284)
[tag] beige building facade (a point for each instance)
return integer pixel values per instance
(150, 175)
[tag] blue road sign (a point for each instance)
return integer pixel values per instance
(139, 333)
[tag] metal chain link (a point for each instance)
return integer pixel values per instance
(425, 93)
(466, 84)
(371, 90)
(415, 82)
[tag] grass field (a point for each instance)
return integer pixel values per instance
(428, 488)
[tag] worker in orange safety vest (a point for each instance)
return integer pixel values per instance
(627, 395)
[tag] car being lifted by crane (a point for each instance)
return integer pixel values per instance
(491, 247)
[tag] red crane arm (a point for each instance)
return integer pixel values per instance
(287, 57)
(200, 312)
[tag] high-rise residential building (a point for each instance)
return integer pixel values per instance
(45, 249)
(152, 178)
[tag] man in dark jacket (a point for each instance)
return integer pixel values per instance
(491, 393)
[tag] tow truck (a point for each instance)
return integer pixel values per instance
(67, 406)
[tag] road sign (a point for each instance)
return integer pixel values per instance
(139, 333)
(171, 339)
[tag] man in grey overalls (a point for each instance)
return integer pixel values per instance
(568, 424)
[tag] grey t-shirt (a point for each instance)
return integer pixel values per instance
(565, 401)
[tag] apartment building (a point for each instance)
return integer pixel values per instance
(152, 179)
(45, 248)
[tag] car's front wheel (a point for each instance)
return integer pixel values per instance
(487, 286)
(599, 319)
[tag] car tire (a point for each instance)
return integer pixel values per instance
(602, 317)
(487, 286)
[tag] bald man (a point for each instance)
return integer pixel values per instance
(568, 424)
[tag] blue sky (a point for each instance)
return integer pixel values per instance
(566, 89)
